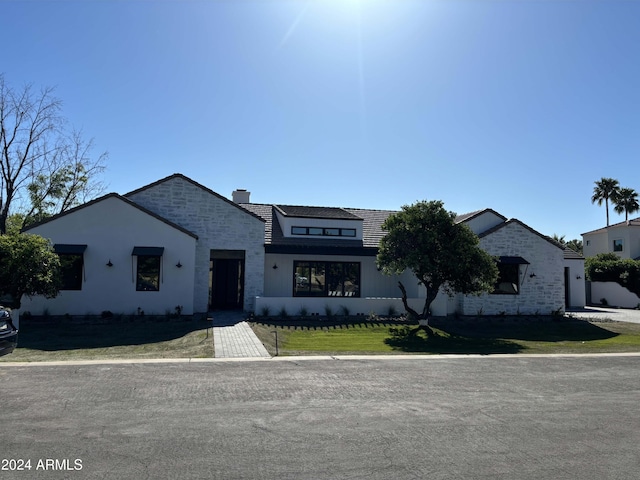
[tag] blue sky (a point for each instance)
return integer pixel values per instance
(515, 105)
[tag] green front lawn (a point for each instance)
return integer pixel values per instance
(480, 336)
(130, 339)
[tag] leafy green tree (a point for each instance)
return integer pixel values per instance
(28, 266)
(605, 189)
(44, 167)
(575, 244)
(442, 254)
(626, 200)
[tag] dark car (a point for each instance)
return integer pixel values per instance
(8, 333)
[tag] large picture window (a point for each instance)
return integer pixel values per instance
(326, 279)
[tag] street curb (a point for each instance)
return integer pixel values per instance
(313, 358)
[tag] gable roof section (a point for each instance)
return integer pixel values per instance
(465, 217)
(634, 222)
(527, 227)
(118, 197)
(196, 184)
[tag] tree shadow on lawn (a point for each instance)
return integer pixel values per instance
(68, 335)
(533, 329)
(407, 339)
(488, 335)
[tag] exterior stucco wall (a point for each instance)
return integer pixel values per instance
(577, 290)
(594, 243)
(111, 228)
(378, 291)
(279, 281)
(219, 224)
(541, 294)
(615, 295)
(602, 241)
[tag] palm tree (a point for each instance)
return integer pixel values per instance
(626, 200)
(605, 189)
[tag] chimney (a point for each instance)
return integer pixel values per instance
(240, 196)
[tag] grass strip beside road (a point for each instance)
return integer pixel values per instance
(484, 335)
(126, 339)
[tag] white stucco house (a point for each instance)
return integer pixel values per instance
(622, 238)
(176, 243)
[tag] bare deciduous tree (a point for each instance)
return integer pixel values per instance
(44, 169)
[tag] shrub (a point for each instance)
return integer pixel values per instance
(303, 311)
(283, 313)
(344, 310)
(608, 267)
(328, 311)
(265, 312)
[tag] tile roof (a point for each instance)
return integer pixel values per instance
(634, 222)
(468, 216)
(371, 226)
(332, 213)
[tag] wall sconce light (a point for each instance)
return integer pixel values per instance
(532, 275)
(179, 265)
(578, 277)
(275, 267)
(109, 264)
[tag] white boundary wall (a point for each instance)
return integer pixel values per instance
(615, 294)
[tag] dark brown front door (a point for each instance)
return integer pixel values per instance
(227, 283)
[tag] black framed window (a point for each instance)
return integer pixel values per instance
(508, 279)
(326, 279)
(618, 245)
(72, 266)
(325, 232)
(148, 273)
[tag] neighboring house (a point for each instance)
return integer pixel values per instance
(176, 243)
(622, 238)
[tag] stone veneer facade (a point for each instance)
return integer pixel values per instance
(542, 294)
(219, 224)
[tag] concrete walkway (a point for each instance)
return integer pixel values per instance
(233, 337)
(630, 315)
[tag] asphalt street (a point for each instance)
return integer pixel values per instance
(429, 418)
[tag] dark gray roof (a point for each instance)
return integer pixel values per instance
(301, 211)
(372, 221)
(634, 222)
(468, 216)
(572, 254)
(274, 236)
